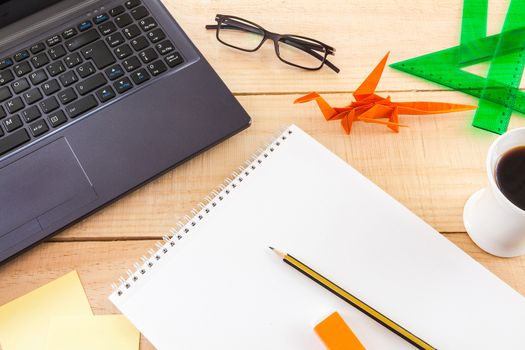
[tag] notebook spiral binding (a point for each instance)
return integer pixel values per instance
(198, 214)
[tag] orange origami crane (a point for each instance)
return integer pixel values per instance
(370, 108)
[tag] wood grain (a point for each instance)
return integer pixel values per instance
(361, 31)
(99, 264)
(431, 168)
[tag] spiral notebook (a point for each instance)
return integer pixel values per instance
(216, 285)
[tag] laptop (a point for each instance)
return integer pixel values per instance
(96, 98)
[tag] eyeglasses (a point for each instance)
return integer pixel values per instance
(295, 50)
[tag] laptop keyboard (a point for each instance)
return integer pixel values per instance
(47, 85)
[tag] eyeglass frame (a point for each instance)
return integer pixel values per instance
(276, 38)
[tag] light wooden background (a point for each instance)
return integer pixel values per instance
(432, 167)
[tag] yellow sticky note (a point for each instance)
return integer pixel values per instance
(93, 332)
(24, 322)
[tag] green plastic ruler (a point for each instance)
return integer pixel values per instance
(474, 22)
(498, 92)
(504, 68)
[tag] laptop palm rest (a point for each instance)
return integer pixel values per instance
(40, 189)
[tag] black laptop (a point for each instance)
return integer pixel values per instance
(96, 98)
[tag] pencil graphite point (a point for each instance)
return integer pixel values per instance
(278, 252)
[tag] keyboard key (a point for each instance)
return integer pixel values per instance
(86, 69)
(115, 39)
(85, 26)
(131, 31)
(3, 114)
(69, 33)
(68, 78)
(99, 53)
(132, 3)
(6, 62)
(73, 60)
(81, 106)
(140, 76)
(56, 68)
(156, 35)
(12, 123)
(164, 47)
(14, 140)
(22, 55)
(103, 17)
(139, 12)
(22, 69)
(131, 64)
(174, 59)
(114, 72)
(148, 55)
(148, 24)
(123, 51)
(57, 118)
(38, 128)
(50, 87)
(123, 20)
(37, 48)
(20, 85)
(30, 114)
(14, 105)
(6, 76)
(38, 77)
(123, 85)
(91, 84)
(55, 39)
(139, 43)
(5, 93)
(117, 11)
(107, 28)
(157, 67)
(49, 105)
(67, 96)
(82, 40)
(39, 60)
(32, 96)
(105, 94)
(57, 52)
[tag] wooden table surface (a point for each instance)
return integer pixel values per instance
(431, 167)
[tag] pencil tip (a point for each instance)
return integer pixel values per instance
(278, 252)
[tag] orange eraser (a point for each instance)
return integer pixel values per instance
(336, 334)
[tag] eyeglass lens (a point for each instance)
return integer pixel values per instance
(240, 34)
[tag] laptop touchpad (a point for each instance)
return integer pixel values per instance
(47, 185)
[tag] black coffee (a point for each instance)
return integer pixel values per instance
(510, 176)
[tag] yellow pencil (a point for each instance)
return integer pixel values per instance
(352, 300)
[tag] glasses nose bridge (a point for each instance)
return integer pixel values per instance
(273, 36)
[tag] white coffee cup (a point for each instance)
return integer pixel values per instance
(493, 222)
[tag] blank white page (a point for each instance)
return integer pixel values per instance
(220, 287)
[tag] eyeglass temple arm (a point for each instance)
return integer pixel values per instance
(297, 43)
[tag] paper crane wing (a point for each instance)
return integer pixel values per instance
(327, 110)
(368, 86)
(374, 114)
(416, 108)
(347, 121)
(377, 112)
